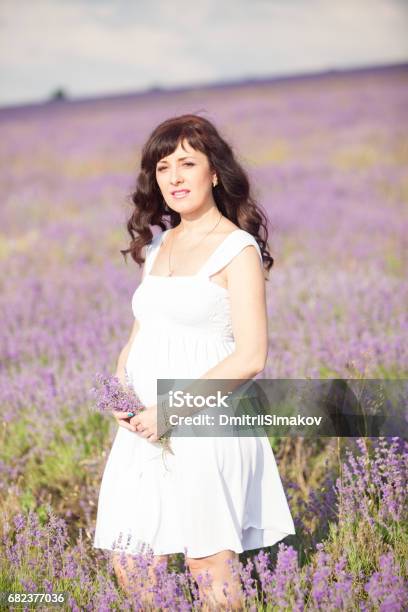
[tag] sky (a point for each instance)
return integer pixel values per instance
(103, 47)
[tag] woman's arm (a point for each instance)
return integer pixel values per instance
(121, 418)
(124, 353)
(246, 288)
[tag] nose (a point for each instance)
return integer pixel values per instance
(175, 176)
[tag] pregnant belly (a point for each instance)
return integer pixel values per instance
(160, 356)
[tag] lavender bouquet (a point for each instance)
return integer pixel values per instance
(111, 394)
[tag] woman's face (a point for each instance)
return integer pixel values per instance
(185, 179)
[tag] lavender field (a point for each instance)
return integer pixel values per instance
(328, 158)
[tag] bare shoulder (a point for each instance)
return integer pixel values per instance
(228, 226)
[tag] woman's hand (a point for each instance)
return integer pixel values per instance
(123, 420)
(145, 423)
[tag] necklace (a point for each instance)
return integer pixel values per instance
(171, 270)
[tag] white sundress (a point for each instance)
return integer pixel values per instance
(214, 493)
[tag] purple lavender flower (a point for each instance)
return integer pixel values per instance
(386, 588)
(112, 395)
(286, 592)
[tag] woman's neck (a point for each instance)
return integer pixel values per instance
(198, 225)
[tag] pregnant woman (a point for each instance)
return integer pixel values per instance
(200, 312)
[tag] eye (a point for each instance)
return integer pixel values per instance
(185, 164)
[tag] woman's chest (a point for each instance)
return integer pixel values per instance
(185, 301)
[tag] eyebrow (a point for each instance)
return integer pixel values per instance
(179, 159)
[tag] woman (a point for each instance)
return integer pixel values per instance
(200, 312)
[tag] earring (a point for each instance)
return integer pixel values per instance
(215, 182)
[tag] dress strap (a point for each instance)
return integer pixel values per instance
(227, 250)
(152, 250)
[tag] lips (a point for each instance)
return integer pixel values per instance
(180, 193)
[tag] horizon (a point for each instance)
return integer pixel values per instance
(259, 80)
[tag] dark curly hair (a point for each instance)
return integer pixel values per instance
(232, 193)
